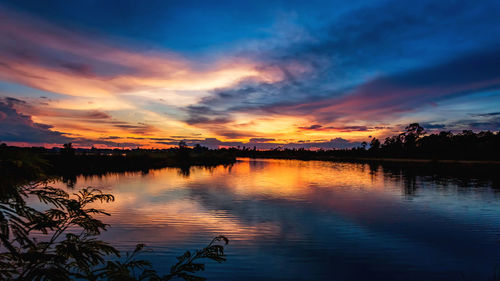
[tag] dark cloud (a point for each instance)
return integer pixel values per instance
(146, 138)
(13, 101)
(184, 137)
(206, 120)
(232, 134)
(41, 109)
(128, 126)
(317, 127)
(486, 114)
(407, 91)
(433, 126)
(71, 113)
(490, 123)
(312, 127)
(78, 68)
(261, 139)
(88, 116)
(480, 122)
(17, 127)
(112, 138)
(353, 128)
(139, 128)
(94, 114)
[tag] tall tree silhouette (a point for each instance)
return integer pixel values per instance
(374, 144)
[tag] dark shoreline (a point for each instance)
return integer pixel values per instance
(20, 165)
(382, 159)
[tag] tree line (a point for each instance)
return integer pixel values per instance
(68, 160)
(413, 142)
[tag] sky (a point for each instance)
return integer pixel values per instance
(302, 74)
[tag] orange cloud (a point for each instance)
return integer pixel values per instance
(69, 63)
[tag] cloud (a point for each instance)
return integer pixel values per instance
(407, 91)
(207, 120)
(482, 123)
(433, 126)
(477, 122)
(48, 57)
(317, 127)
(20, 127)
(261, 140)
(46, 111)
(486, 114)
(489, 125)
(17, 127)
(312, 127)
(76, 117)
(78, 68)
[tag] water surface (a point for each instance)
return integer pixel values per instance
(298, 220)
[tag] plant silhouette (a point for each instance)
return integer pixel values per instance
(61, 241)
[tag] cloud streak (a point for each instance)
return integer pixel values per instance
(51, 58)
(386, 96)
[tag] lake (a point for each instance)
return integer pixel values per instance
(313, 220)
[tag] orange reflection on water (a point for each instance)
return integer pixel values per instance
(173, 205)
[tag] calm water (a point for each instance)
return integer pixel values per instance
(296, 220)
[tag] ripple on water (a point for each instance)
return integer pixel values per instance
(296, 220)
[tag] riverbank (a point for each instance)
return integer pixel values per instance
(382, 159)
(20, 165)
(95, 164)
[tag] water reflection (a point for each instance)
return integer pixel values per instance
(296, 220)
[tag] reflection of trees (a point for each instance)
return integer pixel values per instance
(184, 171)
(413, 175)
(60, 241)
(69, 180)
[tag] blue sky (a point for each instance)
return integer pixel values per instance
(287, 72)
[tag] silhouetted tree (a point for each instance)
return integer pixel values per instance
(374, 144)
(68, 150)
(182, 144)
(183, 152)
(415, 129)
(363, 145)
(410, 136)
(200, 149)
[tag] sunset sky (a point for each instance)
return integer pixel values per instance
(313, 74)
